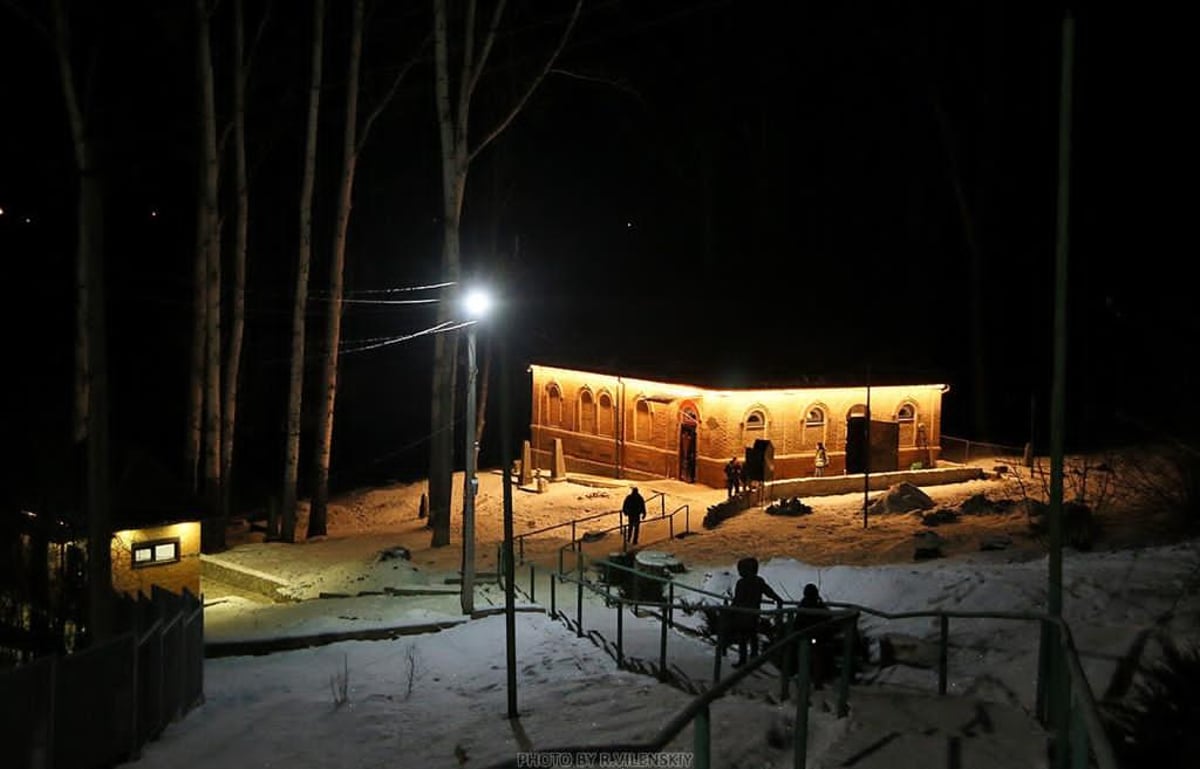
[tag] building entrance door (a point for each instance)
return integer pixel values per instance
(687, 452)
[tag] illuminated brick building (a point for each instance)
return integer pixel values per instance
(624, 427)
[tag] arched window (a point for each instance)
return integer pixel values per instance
(813, 429)
(587, 412)
(606, 423)
(554, 403)
(906, 415)
(754, 427)
(643, 422)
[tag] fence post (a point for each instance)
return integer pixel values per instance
(579, 592)
(700, 739)
(943, 651)
(1040, 709)
(662, 646)
(1060, 700)
(532, 585)
(620, 635)
(670, 604)
(800, 728)
(843, 706)
(51, 715)
(1079, 739)
(787, 625)
(553, 593)
(135, 747)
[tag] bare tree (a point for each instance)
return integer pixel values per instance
(208, 251)
(303, 263)
(352, 145)
(91, 376)
(237, 315)
(457, 154)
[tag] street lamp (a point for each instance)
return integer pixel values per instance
(476, 304)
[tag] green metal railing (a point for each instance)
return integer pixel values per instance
(575, 541)
(1064, 700)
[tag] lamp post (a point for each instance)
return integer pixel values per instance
(476, 304)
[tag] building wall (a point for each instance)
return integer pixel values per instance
(185, 573)
(567, 404)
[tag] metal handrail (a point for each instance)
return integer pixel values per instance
(797, 642)
(1064, 705)
(574, 544)
(520, 538)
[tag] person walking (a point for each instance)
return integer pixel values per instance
(733, 476)
(634, 508)
(820, 460)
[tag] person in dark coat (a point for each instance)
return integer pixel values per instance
(634, 509)
(733, 477)
(820, 659)
(748, 593)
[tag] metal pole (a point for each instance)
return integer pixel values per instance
(510, 610)
(620, 634)
(701, 741)
(662, 646)
(469, 483)
(943, 650)
(579, 592)
(800, 727)
(867, 452)
(1058, 391)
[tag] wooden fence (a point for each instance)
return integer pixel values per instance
(99, 706)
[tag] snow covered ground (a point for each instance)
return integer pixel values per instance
(439, 699)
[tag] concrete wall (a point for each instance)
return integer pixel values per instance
(845, 484)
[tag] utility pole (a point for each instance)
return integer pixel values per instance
(1058, 389)
(510, 611)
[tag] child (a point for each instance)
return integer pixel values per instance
(748, 594)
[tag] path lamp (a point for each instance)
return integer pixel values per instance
(475, 304)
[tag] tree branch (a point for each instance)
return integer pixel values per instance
(520, 105)
(391, 92)
(37, 24)
(625, 87)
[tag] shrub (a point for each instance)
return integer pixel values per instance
(1155, 725)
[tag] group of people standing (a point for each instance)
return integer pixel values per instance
(743, 625)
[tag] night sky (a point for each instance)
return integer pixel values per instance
(740, 192)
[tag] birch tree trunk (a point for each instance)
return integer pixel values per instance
(303, 262)
(456, 156)
(214, 533)
(91, 377)
(237, 320)
(333, 328)
(196, 366)
(442, 401)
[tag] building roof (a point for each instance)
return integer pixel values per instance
(713, 375)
